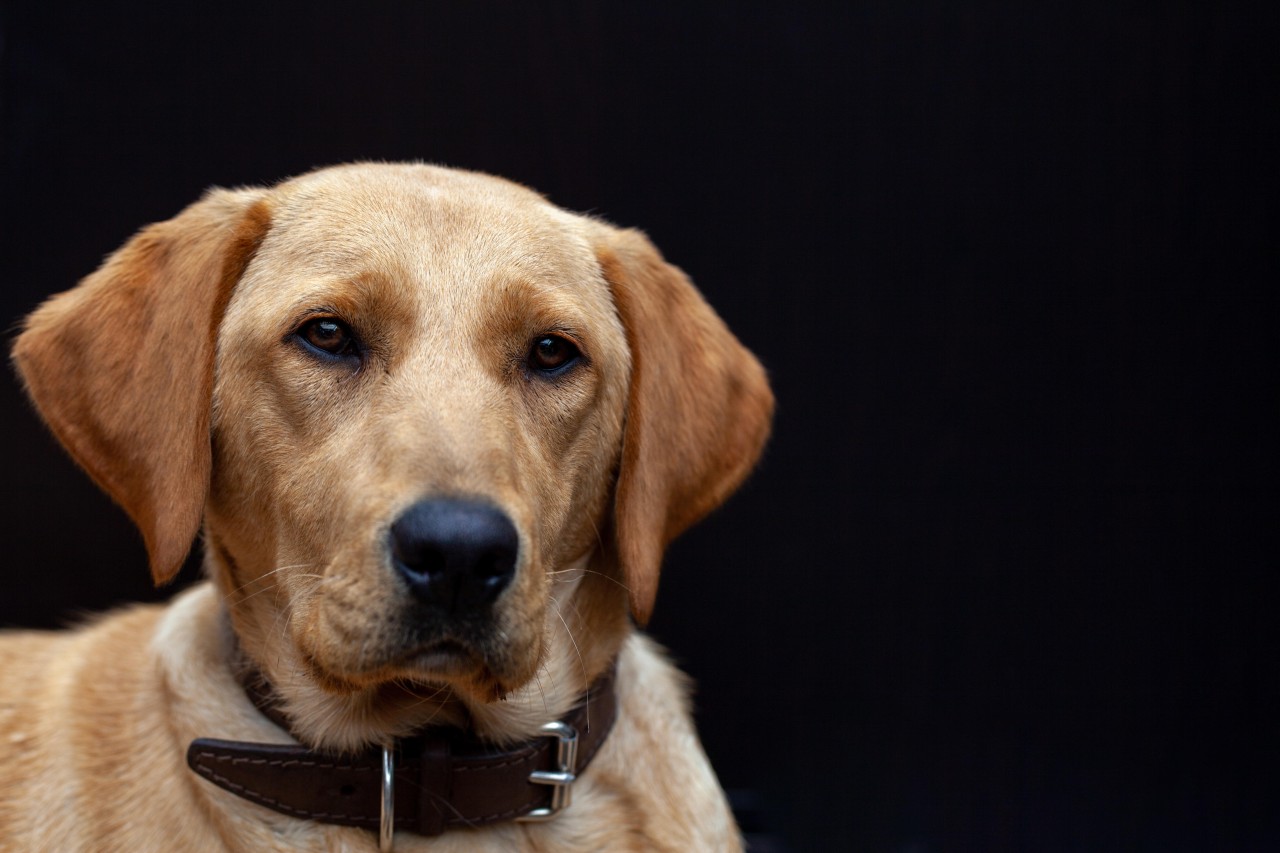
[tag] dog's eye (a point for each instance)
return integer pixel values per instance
(328, 335)
(552, 353)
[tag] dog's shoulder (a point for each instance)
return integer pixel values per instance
(74, 706)
(655, 761)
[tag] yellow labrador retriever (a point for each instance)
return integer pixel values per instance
(437, 433)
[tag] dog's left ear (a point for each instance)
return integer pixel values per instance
(121, 367)
(698, 412)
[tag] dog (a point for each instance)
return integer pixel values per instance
(436, 434)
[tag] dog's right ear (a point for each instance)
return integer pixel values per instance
(121, 366)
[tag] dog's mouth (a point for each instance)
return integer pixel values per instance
(454, 665)
(442, 663)
(443, 659)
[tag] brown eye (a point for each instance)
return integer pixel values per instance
(328, 335)
(552, 353)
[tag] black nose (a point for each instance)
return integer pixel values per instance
(456, 555)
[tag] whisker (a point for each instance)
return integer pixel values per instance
(252, 581)
(581, 662)
(424, 699)
(537, 677)
(277, 589)
(587, 572)
(572, 639)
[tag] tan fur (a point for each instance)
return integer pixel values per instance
(172, 376)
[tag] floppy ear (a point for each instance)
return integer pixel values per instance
(121, 366)
(698, 413)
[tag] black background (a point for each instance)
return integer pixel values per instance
(1006, 577)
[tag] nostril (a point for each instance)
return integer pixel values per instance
(495, 572)
(494, 566)
(420, 558)
(454, 554)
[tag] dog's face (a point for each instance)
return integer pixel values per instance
(430, 422)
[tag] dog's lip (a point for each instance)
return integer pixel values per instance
(435, 664)
(442, 658)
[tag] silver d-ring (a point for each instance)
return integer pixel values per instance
(387, 825)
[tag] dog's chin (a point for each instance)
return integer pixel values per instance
(436, 668)
(455, 666)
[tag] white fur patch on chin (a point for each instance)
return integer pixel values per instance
(351, 722)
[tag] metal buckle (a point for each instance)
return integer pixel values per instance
(562, 778)
(387, 822)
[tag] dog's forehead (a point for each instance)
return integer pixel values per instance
(441, 233)
(423, 213)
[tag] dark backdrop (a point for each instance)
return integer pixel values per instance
(1005, 578)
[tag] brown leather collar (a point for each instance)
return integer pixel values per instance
(443, 778)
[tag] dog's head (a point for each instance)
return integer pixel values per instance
(435, 427)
